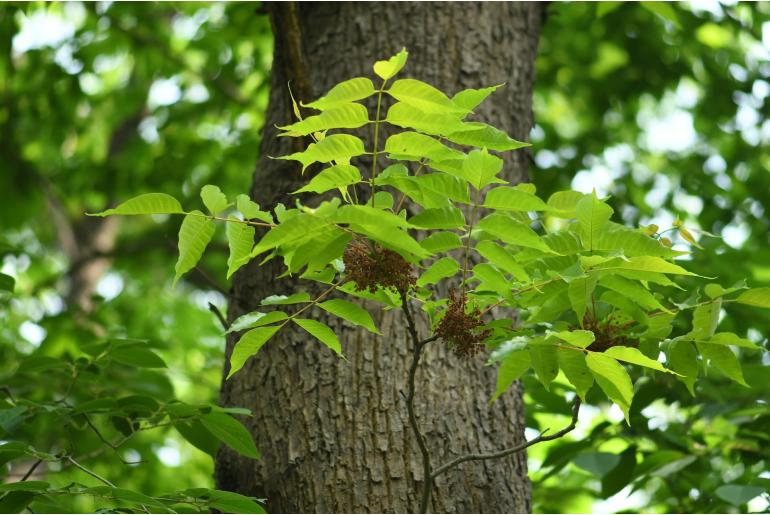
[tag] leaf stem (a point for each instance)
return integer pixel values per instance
(376, 136)
(467, 252)
(246, 222)
(403, 195)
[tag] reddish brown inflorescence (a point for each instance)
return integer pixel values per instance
(458, 328)
(608, 333)
(376, 267)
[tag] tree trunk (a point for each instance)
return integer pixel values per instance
(334, 433)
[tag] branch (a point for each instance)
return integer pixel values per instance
(31, 470)
(89, 472)
(416, 353)
(514, 449)
(220, 316)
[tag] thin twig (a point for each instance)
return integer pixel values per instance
(31, 470)
(208, 280)
(219, 315)
(514, 449)
(89, 472)
(416, 354)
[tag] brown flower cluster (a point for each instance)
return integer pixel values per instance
(458, 328)
(608, 333)
(373, 267)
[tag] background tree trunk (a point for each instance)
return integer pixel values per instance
(333, 433)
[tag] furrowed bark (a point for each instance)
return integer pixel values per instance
(335, 434)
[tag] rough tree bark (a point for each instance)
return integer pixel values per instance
(334, 434)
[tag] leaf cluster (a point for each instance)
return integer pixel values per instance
(593, 296)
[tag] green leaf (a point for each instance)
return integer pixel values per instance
(544, 362)
(293, 231)
(502, 259)
(353, 313)
(593, 216)
(407, 116)
(441, 242)
(632, 355)
(282, 300)
(439, 218)
(26, 486)
(723, 359)
(477, 134)
(705, 319)
(513, 199)
(344, 92)
(393, 238)
(413, 146)
(240, 240)
(621, 475)
(137, 356)
(147, 204)
(573, 364)
(444, 267)
(481, 168)
(255, 319)
(633, 291)
(597, 463)
(580, 291)
(757, 297)
(250, 209)
(388, 69)
(337, 176)
(230, 502)
(612, 379)
(632, 242)
(7, 283)
(648, 264)
(470, 98)
(231, 432)
(738, 494)
(424, 97)
(683, 360)
(512, 368)
(563, 204)
(201, 438)
(194, 235)
(442, 186)
(367, 215)
(342, 116)
(511, 231)
(213, 198)
(321, 331)
(732, 339)
(490, 279)
(578, 338)
(15, 502)
(248, 345)
(337, 147)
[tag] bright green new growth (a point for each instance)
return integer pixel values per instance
(594, 298)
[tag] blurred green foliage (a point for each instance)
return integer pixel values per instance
(661, 106)
(99, 102)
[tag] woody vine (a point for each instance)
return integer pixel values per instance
(594, 299)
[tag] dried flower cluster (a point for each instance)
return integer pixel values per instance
(376, 267)
(608, 333)
(458, 327)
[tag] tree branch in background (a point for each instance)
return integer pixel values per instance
(515, 448)
(429, 473)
